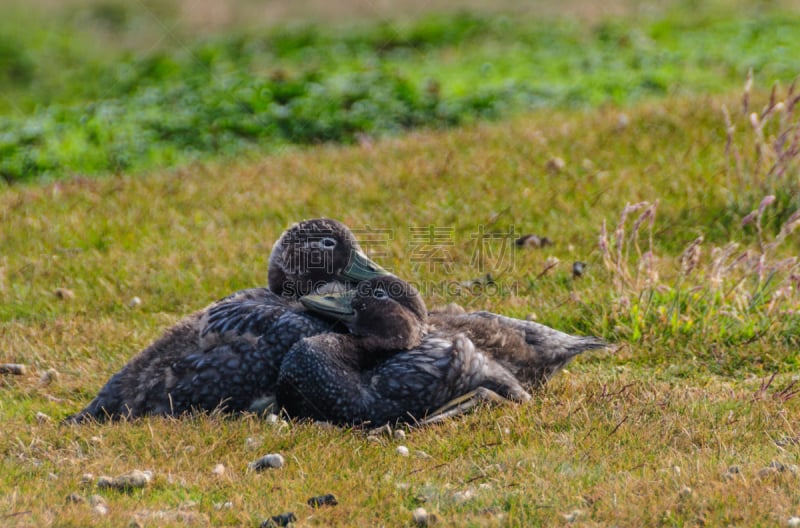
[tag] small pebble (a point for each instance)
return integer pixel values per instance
(74, 498)
(556, 164)
(49, 376)
(402, 450)
(767, 472)
(17, 369)
(551, 261)
(793, 522)
(685, 492)
(734, 470)
(420, 517)
(128, 481)
(134, 302)
(572, 516)
(94, 500)
(273, 418)
(100, 509)
(463, 496)
(271, 461)
(218, 470)
(531, 241)
(399, 434)
(252, 442)
(87, 479)
(64, 293)
(323, 500)
(223, 505)
(279, 520)
(421, 454)
(777, 466)
(578, 268)
(42, 418)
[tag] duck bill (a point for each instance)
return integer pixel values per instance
(361, 268)
(336, 305)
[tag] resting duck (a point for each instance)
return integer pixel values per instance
(400, 364)
(391, 366)
(227, 355)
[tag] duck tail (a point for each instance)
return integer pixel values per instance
(548, 338)
(579, 344)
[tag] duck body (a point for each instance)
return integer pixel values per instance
(227, 356)
(331, 378)
(391, 367)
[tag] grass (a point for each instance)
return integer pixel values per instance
(689, 420)
(644, 435)
(245, 92)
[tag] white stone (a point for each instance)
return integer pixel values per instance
(420, 517)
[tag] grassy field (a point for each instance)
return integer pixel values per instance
(89, 89)
(689, 420)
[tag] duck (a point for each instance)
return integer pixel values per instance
(399, 363)
(226, 357)
(391, 366)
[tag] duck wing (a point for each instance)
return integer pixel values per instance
(198, 362)
(241, 367)
(319, 379)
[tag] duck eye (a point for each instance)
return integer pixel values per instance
(380, 294)
(328, 242)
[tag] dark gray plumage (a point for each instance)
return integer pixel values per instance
(532, 352)
(388, 369)
(227, 356)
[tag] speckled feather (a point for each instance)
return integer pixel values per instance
(365, 378)
(532, 352)
(319, 379)
(227, 356)
(390, 368)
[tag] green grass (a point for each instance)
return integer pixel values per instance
(644, 434)
(247, 92)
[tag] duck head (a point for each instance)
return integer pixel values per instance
(314, 253)
(386, 313)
